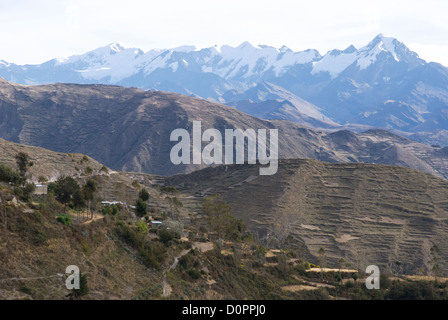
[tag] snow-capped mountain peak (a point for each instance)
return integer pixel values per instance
(244, 64)
(380, 44)
(245, 61)
(336, 61)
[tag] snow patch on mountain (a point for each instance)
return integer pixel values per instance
(368, 55)
(113, 61)
(334, 63)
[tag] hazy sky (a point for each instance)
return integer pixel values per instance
(33, 31)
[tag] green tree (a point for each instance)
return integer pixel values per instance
(435, 261)
(64, 190)
(341, 263)
(78, 200)
(220, 219)
(51, 188)
(144, 195)
(283, 266)
(42, 179)
(110, 210)
(24, 163)
(321, 253)
(141, 208)
(355, 277)
(8, 174)
(27, 191)
(89, 191)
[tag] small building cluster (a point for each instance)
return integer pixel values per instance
(112, 203)
(41, 190)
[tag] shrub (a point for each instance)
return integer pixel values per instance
(166, 236)
(42, 179)
(65, 219)
(337, 277)
(8, 174)
(151, 253)
(135, 184)
(169, 189)
(142, 227)
(129, 236)
(194, 274)
(349, 284)
(26, 289)
(36, 235)
(27, 191)
(188, 262)
(411, 291)
(110, 210)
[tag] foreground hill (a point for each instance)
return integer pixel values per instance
(365, 214)
(129, 129)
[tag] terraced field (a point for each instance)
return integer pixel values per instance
(367, 214)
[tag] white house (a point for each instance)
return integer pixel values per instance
(41, 189)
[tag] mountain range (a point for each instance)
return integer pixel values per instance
(129, 129)
(381, 85)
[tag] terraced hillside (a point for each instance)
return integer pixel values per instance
(367, 214)
(47, 163)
